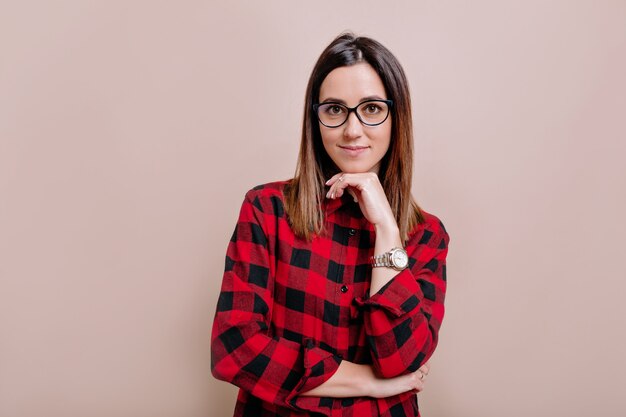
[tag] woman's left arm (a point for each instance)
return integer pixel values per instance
(404, 310)
(403, 317)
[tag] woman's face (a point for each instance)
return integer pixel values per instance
(353, 146)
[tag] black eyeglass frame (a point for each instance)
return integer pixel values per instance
(353, 109)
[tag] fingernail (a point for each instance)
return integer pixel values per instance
(327, 182)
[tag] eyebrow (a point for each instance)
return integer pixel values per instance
(340, 101)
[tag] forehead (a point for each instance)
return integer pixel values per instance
(352, 83)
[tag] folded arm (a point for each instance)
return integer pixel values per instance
(404, 310)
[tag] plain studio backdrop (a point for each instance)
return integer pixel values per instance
(131, 130)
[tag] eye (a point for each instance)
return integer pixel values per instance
(333, 109)
(372, 108)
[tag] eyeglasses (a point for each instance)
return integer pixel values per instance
(369, 112)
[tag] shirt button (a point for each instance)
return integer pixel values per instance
(344, 288)
(352, 232)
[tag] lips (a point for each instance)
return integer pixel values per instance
(353, 150)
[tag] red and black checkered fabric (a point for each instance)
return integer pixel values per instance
(290, 311)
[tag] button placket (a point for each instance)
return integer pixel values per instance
(351, 232)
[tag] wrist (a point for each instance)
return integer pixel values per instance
(388, 229)
(387, 237)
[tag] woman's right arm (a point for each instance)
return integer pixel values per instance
(274, 369)
(356, 380)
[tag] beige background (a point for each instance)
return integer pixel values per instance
(130, 131)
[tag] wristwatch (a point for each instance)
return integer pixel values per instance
(396, 258)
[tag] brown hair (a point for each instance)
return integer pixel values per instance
(304, 194)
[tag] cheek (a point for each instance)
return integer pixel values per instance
(384, 137)
(329, 138)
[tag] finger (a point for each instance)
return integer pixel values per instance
(336, 190)
(419, 385)
(334, 178)
(418, 380)
(331, 190)
(351, 183)
(332, 182)
(425, 368)
(339, 185)
(418, 376)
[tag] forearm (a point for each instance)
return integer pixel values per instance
(387, 238)
(354, 380)
(350, 380)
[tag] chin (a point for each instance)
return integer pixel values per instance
(356, 169)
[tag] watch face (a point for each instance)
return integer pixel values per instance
(400, 259)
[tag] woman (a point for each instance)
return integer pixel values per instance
(333, 290)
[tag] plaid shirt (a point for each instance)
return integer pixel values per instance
(290, 311)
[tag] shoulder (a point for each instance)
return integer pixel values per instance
(270, 188)
(433, 223)
(430, 232)
(269, 197)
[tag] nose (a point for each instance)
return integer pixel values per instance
(353, 128)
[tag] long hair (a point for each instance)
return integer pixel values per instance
(305, 192)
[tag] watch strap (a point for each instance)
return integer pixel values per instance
(381, 260)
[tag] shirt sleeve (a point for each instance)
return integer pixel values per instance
(243, 351)
(403, 318)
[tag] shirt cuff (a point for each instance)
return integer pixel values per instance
(399, 296)
(319, 366)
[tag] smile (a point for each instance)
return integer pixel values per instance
(354, 150)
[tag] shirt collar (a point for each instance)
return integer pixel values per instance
(330, 205)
